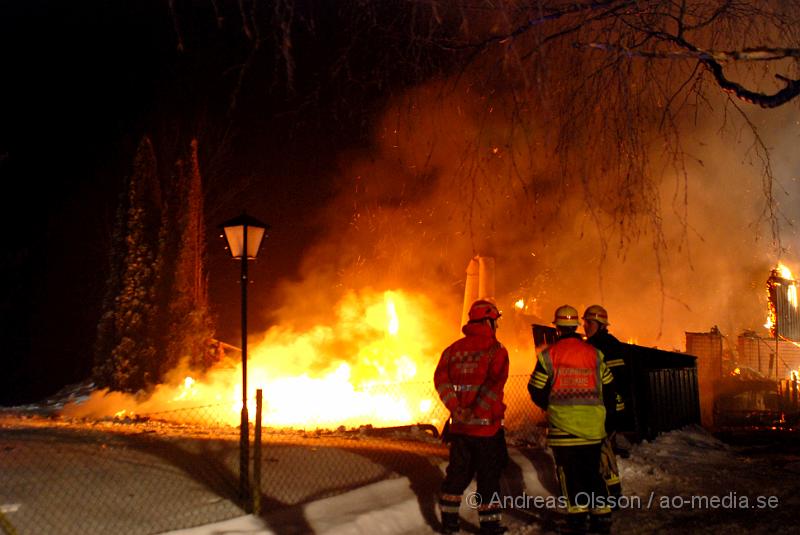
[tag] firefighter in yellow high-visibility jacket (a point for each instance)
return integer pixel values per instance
(572, 383)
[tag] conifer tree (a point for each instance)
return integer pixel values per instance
(126, 347)
(156, 313)
(106, 340)
(191, 328)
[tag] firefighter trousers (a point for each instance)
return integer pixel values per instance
(482, 458)
(608, 467)
(578, 469)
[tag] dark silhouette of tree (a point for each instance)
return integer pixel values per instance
(190, 323)
(126, 350)
(156, 313)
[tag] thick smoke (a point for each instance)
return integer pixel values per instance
(450, 175)
(444, 181)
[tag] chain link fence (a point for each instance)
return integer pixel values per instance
(171, 470)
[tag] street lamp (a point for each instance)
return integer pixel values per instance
(244, 234)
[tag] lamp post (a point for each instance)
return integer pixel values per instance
(244, 234)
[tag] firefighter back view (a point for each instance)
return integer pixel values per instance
(470, 378)
(572, 383)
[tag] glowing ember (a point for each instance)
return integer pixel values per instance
(519, 304)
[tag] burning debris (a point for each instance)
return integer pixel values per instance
(370, 365)
(370, 362)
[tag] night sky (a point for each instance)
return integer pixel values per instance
(356, 105)
(83, 82)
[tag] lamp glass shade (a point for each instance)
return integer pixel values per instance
(235, 237)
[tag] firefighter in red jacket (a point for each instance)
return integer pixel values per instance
(572, 383)
(469, 379)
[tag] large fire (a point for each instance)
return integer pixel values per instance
(372, 363)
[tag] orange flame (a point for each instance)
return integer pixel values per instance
(379, 343)
(791, 290)
(373, 364)
(185, 392)
(783, 272)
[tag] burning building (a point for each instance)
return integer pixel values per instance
(753, 383)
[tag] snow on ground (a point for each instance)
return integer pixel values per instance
(685, 481)
(694, 482)
(386, 507)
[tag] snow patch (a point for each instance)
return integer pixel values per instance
(243, 525)
(385, 507)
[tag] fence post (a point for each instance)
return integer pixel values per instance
(244, 461)
(257, 457)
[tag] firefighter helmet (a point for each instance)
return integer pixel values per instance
(566, 316)
(482, 309)
(596, 313)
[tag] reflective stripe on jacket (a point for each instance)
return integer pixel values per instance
(574, 372)
(470, 378)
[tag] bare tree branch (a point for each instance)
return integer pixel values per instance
(783, 96)
(712, 58)
(746, 54)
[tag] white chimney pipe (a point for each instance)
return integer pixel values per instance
(479, 284)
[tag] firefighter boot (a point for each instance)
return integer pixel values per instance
(490, 518)
(492, 527)
(575, 523)
(450, 523)
(600, 524)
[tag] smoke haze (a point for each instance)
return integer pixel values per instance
(445, 181)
